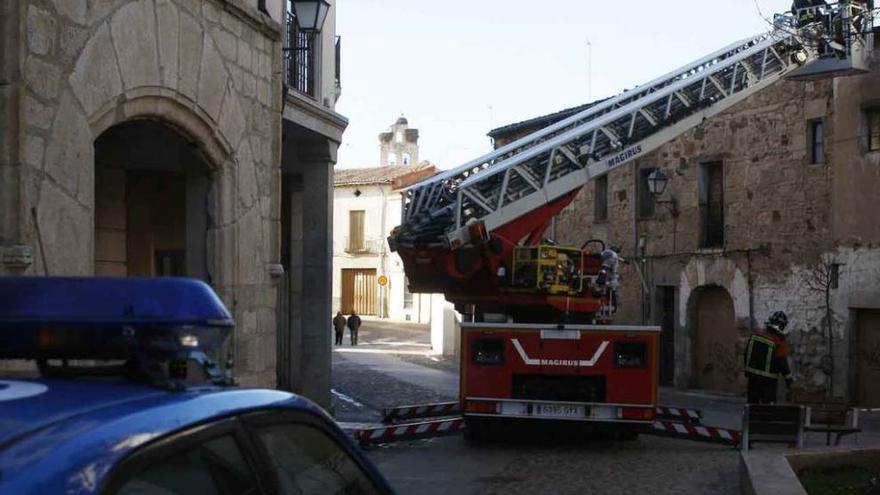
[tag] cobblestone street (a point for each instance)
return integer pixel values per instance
(392, 367)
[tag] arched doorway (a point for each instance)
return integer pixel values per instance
(717, 358)
(151, 202)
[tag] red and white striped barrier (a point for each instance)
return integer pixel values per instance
(696, 432)
(411, 431)
(391, 414)
(679, 414)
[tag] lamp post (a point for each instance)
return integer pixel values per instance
(657, 183)
(310, 14)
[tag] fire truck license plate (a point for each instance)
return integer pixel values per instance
(559, 410)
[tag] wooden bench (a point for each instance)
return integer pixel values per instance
(832, 416)
(772, 424)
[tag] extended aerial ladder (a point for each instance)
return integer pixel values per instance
(463, 230)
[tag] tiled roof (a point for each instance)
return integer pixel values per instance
(541, 121)
(398, 175)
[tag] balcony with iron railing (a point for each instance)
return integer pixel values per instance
(362, 247)
(302, 61)
(300, 58)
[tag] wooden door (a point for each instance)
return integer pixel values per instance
(359, 291)
(718, 360)
(868, 359)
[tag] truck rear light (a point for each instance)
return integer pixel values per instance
(488, 352)
(481, 407)
(629, 354)
(637, 413)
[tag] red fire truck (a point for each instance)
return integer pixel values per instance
(537, 341)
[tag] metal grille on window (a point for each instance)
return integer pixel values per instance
(300, 58)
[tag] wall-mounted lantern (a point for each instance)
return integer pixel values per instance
(657, 183)
(310, 14)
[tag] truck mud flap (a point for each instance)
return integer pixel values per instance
(418, 411)
(695, 432)
(410, 431)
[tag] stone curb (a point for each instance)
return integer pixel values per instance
(772, 472)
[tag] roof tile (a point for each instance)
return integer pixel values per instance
(395, 175)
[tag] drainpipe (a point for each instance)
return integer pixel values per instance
(637, 258)
(383, 290)
(752, 323)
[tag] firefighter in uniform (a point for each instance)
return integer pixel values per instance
(766, 359)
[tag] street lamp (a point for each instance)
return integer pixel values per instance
(657, 183)
(310, 14)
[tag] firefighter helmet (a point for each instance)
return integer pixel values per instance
(778, 321)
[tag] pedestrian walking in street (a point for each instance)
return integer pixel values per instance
(766, 359)
(339, 327)
(354, 323)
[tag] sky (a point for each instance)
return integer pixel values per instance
(458, 68)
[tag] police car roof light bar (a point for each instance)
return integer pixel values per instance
(143, 321)
(109, 300)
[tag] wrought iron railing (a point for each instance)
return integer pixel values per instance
(300, 58)
(338, 62)
(362, 246)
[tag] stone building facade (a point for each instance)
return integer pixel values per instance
(770, 197)
(146, 137)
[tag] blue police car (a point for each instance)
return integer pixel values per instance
(129, 398)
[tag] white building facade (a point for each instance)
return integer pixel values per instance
(367, 277)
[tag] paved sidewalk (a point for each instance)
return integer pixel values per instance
(725, 410)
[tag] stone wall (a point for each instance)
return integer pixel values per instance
(210, 70)
(783, 216)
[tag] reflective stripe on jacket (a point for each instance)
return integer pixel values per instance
(767, 355)
(759, 355)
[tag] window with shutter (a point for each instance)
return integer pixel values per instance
(712, 204)
(817, 141)
(356, 231)
(600, 199)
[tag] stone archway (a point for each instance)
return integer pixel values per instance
(717, 356)
(152, 215)
(207, 75)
